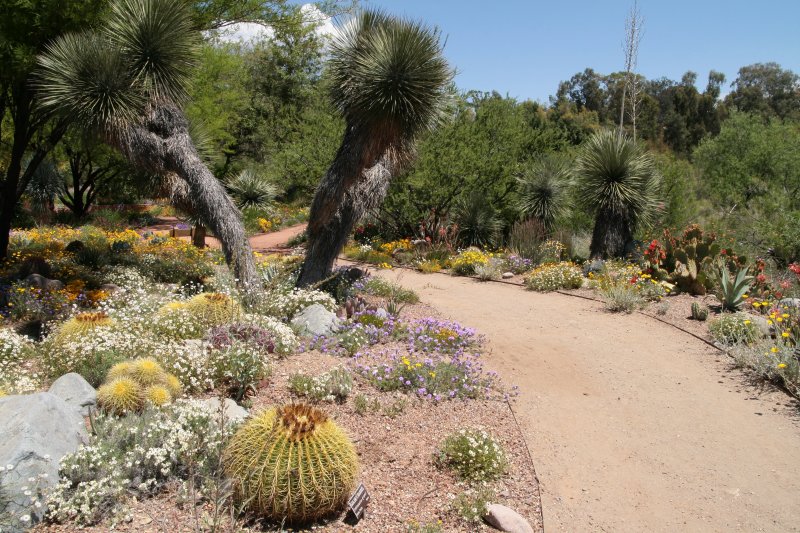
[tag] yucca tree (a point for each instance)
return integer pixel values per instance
(543, 189)
(478, 221)
(128, 80)
(389, 81)
(618, 182)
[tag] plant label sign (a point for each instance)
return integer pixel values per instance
(358, 501)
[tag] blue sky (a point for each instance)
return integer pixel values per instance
(524, 48)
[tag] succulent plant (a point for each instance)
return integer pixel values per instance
(732, 291)
(157, 395)
(120, 396)
(699, 312)
(130, 384)
(147, 371)
(291, 464)
(83, 323)
(214, 308)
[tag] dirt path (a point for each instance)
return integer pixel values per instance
(263, 242)
(633, 425)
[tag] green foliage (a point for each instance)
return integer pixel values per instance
(370, 55)
(472, 505)
(618, 182)
(477, 221)
(332, 386)
(474, 455)
(732, 291)
(238, 368)
(732, 329)
(378, 286)
(465, 263)
(250, 189)
(622, 297)
(699, 312)
(291, 464)
(543, 190)
(363, 405)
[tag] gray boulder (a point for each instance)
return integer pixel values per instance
(233, 411)
(37, 281)
(506, 519)
(508, 275)
(76, 392)
(315, 320)
(764, 329)
(38, 431)
(594, 267)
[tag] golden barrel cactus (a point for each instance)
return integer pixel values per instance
(213, 308)
(83, 323)
(292, 464)
(120, 396)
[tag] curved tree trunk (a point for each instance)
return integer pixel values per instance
(611, 237)
(161, 143)
(356, 182)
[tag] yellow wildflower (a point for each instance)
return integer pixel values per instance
(782, 365)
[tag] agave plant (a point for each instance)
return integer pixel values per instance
(389, 80)
(128, 79)
(543, 190)
(732, 291)
(250, 189)
(618, 182)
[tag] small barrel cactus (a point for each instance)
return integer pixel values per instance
(292, 464)
(699, 312)
(157, 395)
(147, 371)
(213, 307)
(82, 324)
(120, 396)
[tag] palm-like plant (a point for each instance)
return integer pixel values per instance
(251, 189)
(128, 80)
(477, 221)
(389, 81)
(543, 190)
(618, 182)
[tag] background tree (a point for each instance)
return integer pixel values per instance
(618, 183)
(767, 89)
(389, 81)
(129, 80)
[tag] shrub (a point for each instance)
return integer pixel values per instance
(525, 239)
(622, 298)
(464, 263)
(489, 272)
(551, 251)
(286, 304)
(731, 329)
(429, 266)
(238, 367)
(478, 221)
(291, 464)
(331, 386)
(473, 455)
(775, 361)
(555, 276)
(259, 339)
(517, 264)
(139, 455)
(14, 349)
(472, 504)
(377, 286)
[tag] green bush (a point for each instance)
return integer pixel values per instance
(331, 386)
(238, 368)
(473, 455)
(736, 328)
(555, 276)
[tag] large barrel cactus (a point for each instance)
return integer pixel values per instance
(83, 323)
(292, 464)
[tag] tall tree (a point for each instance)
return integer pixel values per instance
(389, 80)
(129, 80)
(768, 89)
(25, 30)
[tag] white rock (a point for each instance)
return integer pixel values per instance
(315, 320)
(508, 275)
(506, 519)
(76, 392)
(233, 411)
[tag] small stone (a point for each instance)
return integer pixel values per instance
(763, 326)
(109, 288)
(37, 281)
(506, 519)
(76, 392)
(508, 275)
(381, 313)
(790, 302)
(233, 411)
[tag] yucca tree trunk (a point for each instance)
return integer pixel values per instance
(162, 144)
(356, 182)
(611, 237)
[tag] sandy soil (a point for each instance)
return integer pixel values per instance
(633, 425)
(262, 242)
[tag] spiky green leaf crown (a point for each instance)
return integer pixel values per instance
(543, 189)
(145, 51)
(616, 175)
(389, 72)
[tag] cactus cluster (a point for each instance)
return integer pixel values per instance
(83, 323)
(209, 308)
(131, 385)
(699, 312)
(291, 464)
(689, 260)
(352, 306)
